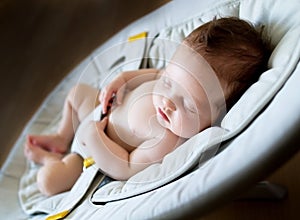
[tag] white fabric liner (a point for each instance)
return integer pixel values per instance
(205, 144)
(284, 30)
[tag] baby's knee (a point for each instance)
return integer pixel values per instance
(83, 94)
(47, 181)
(76, 92)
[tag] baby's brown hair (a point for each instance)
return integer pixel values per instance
(236, 52)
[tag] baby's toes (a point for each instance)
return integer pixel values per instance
(28, 152)
(31, 153)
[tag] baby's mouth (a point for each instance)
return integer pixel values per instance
(163, 115)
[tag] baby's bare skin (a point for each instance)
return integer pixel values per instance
(155, 110)
(140, 125)
(134, 121)
(156, 113)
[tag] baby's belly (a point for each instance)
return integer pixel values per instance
(118, 131)
(133, 122)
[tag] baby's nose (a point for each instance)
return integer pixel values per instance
(168, 104)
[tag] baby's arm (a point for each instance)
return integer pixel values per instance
(125, 81)
(117, 162)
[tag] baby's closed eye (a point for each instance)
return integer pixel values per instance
(189, 106)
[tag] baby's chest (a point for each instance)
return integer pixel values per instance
(142, 117)
(135, 120)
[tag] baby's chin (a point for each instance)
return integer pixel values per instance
(184, 133)
(180, 133)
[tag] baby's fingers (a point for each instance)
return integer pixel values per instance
(105, 96)
(120, 95)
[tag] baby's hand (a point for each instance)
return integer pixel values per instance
(115, 88)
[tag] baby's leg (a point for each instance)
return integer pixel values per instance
(81, 101)
(58, 175)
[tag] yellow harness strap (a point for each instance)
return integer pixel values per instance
(58, 215)
(137, 36)
(87, 162)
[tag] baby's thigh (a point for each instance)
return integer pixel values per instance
(84, 99)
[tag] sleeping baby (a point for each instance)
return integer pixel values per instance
(148, 113)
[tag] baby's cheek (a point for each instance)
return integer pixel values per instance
(186, 128)
(194, 126)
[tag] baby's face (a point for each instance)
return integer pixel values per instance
(184, 97)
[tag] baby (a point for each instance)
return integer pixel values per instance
(153, 111)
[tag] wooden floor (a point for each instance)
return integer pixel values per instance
(41, 41)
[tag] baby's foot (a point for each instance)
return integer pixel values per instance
(39, 155)
(52, 143)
